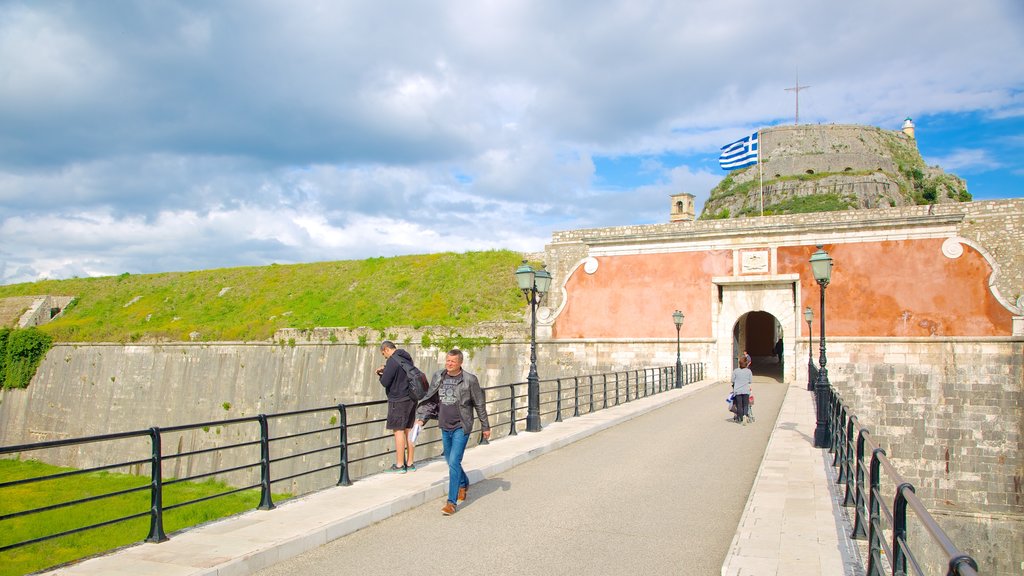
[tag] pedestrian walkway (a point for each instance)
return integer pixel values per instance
(787, 526)
(793, 524)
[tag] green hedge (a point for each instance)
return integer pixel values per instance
(20, 354)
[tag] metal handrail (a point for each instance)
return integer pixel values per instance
(872, 516)
(506, 406)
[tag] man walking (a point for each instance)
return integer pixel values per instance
(453, 396)
(401, 408)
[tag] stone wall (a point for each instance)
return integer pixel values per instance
(996, 226)
(92, 389)
(950, 415)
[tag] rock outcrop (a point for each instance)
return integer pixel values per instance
(820, 168)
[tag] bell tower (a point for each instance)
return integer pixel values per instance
(682, 208)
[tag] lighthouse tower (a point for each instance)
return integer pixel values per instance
(908, 127)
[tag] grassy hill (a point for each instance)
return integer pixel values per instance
(251, 303)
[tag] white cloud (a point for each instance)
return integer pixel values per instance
(967, 160)
(141, 135)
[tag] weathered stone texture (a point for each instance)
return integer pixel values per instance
(950, 416)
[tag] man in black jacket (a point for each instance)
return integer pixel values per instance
(454, 395)
(401, 408)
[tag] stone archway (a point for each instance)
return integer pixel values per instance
(756, 333)
(769, 301)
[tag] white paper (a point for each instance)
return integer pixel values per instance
(414, 433)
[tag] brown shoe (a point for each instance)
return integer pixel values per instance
(448, 509)
(462, 494)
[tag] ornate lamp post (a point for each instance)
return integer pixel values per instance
(821, 267)
(533, 283)
(809, 317)
(677, 317)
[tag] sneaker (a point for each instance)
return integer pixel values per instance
(744, 423)
(462, 494)
(448, 509)
(410, 467)
(395, 469)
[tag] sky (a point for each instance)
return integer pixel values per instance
(159, 136)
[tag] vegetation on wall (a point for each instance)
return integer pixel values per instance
(251, 303)
(21, 350)
(803, 204)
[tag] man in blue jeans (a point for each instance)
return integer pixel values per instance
(452, 397)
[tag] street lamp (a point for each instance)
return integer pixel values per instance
(533, 282)
(677, 317)
(809, 317)
(821, 267)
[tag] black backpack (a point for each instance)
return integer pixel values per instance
(417, 380)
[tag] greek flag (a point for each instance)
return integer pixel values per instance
(740, 153)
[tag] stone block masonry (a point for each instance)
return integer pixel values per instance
(949, 413)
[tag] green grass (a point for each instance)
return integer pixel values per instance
(250, 304)
(68, 548)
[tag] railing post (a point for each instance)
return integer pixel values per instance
(512, 409)
(575, 396)
(899, 528)
(874, 515)
(590, 378)
(627, 386)
(858, 518)
(266, 502)
(156, 489)
(836, 428)
(558, 401)
(604, 389)
(848, 499)
(343, 479)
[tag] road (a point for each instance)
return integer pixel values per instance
(660, 494)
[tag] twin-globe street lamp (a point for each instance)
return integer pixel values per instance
(809, 317)
(677, 317)
(533, 283)
(821, 267)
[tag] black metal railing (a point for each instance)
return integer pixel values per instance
(318, 443)
(857, 456)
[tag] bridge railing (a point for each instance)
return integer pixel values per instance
(330, 444)
(862, 466)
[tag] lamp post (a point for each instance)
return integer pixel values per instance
(809, 317)
(677, 317)
(821, 267)
(533, 282)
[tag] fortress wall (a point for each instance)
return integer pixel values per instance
(950, 415)
(827, 163)
(86, 390)
(996, 226)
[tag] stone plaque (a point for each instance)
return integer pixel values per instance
(754, 262)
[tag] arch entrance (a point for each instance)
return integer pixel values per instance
(752, 314)
(756, 332)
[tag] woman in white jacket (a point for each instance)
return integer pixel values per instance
(742, 378)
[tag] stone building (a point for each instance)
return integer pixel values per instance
(924, 330)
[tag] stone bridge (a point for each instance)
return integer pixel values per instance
(666, 484)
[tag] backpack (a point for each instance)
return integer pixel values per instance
(415, 377)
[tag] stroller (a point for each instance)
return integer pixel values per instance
(750, 407)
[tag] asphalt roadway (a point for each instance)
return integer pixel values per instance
(660, 494)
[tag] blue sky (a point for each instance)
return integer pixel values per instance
(164, 135)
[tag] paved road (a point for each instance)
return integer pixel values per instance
(660, 494)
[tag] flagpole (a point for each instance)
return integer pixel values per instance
(760, 173)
